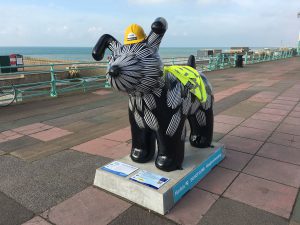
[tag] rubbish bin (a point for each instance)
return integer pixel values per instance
(239, 61)
(4, 61)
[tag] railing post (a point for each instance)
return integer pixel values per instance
(253, 57)
(53, 92)
(246, 58)
(235, 59)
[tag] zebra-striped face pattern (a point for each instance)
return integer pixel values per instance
(140, 67)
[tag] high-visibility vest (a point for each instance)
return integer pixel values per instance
(187, 74)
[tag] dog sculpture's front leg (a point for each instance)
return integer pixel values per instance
(143, 142)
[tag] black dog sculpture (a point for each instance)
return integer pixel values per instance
(159, 103)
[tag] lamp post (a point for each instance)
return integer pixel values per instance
(298, 47)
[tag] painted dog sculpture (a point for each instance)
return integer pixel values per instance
(159, 102)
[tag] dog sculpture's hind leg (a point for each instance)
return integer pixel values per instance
(201, 118)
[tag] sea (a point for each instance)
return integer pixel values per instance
(84, 53)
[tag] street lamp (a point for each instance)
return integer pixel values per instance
(298, 48)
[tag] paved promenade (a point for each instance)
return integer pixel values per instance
(50, 149)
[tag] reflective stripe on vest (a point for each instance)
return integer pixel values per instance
(187, 74)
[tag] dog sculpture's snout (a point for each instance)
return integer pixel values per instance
(114, 71)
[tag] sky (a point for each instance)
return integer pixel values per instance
(192, 23)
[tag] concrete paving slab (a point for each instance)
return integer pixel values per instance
(251, 133)
(32, 128)
(295, 99)
(43, 187)
(296, 211)
(241, 144)
(232, 100)
(136, 216)
(283, 102)
(12, 212)
(279, 106)
(72, 164)
(289, 128)
(229, 212)
(89, 207)
(116, 152)
(121, 135)
(96, 146)
(22, 142)
(281, 112)
(191, 209)
(267, 117)
(217, 136)
(37, 221)
(267, 195)
(223, 127)
(217, 180)
(292, 120)
(50, 134)
(234, 120)
(260, 124)
(289, 140)
(270, 169)
(280, 153)
(37, 151)
(244, 109)
(235, 160)
(295, 114)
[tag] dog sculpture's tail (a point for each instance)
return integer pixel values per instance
(191, 61)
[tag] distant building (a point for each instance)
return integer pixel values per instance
(239, 49)
(205, 53)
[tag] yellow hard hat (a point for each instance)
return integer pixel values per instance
(134, 34)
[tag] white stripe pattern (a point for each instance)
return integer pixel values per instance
(150, 120)
(174, 123)
(201, 118)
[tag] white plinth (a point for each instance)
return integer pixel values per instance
(197, 163)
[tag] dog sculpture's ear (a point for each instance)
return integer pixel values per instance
(159, 26)
(104, 42)
(158, 29)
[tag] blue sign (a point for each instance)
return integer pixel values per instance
(197, 174)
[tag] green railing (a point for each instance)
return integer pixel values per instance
(58, 78)
(55, 79)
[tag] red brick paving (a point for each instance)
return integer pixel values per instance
(267, 195)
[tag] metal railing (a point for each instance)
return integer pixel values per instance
(56, 78)
(61, 78)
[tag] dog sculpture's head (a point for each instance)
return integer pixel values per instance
(134, 67)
